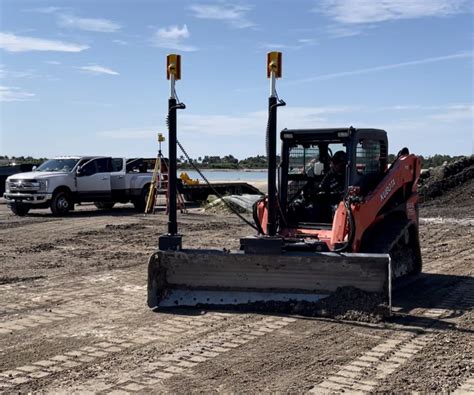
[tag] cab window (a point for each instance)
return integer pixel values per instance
(368, 157)
(371, 160)
(89, 168)
(302, 159)
(102, 165)
(117, 164)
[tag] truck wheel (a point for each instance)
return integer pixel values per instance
(61, 203)
(19, 209)
(104, 205)
(140, 202)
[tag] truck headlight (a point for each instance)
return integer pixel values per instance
(43, 186)
(7, 186)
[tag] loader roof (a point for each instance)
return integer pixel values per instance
(329, 133)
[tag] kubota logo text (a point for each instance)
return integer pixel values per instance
(387, 190)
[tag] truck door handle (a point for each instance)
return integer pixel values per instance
(105, 178)
(120, 177)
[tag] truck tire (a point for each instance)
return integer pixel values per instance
(19, 209)
(104, 205)
(61, 203)
(140, 202)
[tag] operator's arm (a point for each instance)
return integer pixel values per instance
(332, 183)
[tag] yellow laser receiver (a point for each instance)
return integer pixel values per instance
(173, 66)
(274, 64)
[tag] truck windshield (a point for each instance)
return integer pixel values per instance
(59, 165)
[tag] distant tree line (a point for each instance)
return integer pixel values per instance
(260, 161)
(226, 162)
(230, 162)
(5, 160)
(438, 160)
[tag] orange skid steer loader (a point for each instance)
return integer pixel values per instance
(323, 226)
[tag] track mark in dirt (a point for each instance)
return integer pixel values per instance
(447, 220)
(59, 290)
(357, 375)
(146, 379)
(9, 224)
(366, 372)
(42, 318)
(161, 332)
(467, 386)
(12, 280)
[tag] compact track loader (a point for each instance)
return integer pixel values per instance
(312, 240)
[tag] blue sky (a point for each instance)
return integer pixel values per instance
(89, 77)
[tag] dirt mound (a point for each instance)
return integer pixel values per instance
(437, 181)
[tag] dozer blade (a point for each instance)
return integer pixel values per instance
(214, 277)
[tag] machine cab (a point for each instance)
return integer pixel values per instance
(317, 167)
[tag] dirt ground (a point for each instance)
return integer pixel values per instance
(73, 315)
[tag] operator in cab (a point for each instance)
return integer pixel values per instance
(334, 180)
(319, 200)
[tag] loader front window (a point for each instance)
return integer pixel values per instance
(303, 162)
(315, 185)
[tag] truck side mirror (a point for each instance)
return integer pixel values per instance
(33, 168)
(79, 172)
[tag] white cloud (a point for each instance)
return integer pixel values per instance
(457, 112)
(88, 24)
(10, 94)
(370, 11)
(95, 69)
(52, 62)
(4, 73)
(459, 55)
(172, 37)
(45, 10)
(308, 41)
(120, 42)
(13, 43)
(218, 134)
(242, 125)
(235, 15)
(299, 44)
(338, 30)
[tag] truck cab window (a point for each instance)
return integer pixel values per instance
(89, 168)
(117, 164)
(102, 165)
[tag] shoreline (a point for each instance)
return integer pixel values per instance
(225, 170)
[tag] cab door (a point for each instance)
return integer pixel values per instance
(118, 180)
(93, 180)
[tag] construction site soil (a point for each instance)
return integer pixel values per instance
(73, 314)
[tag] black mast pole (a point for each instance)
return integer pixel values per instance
(172, 218)
(172, 240)
(272, 132)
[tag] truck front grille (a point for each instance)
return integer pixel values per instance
(29, 186)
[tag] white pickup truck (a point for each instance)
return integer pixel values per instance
(61, 182)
